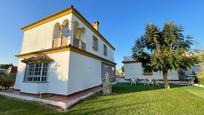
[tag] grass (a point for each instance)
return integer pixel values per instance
(9, 106)
(201, 77)
(196, 91)
(135, 100)
(201, 81)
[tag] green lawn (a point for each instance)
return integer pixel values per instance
(141, 100)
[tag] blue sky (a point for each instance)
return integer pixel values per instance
(121, 21)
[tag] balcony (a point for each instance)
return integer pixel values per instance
(79, 44)
(60, 42)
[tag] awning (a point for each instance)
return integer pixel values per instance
(35, 59)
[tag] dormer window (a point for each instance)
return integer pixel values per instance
(95, 43)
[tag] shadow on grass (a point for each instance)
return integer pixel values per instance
(112, 108)
(122, 88)
(86, 106)
(127, 87)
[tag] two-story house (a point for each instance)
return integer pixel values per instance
(63, 54)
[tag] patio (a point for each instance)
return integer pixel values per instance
(63, 102)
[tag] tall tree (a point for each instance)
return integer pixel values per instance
(5, 66)
(164, 50)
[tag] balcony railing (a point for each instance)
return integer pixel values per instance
(64, 41)
(59, 42)
(56, 42)
(76, 42)
(79, 44)
(83, 46)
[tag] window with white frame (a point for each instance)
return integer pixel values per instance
(36, 72)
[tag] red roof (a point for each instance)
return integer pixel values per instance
(35, 59)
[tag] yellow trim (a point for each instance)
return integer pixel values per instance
(43, 52)
(63, 13)
(81, 18)
(48, 19)
(62, 49)
(88, 54)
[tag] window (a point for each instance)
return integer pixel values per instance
(77, 30)
(105, 52)
(36, 72)
(56, 36)
(83, 46)
(95, 43)
(65, 33)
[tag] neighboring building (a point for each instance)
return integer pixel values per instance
(63, 54)
(12, 69)
(133, 69)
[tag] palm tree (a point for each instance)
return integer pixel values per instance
(164, 50)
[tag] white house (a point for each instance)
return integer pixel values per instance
(63, 54)
(133, 69)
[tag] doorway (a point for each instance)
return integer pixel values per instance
(108, 70)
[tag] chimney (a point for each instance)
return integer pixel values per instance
(96, 25)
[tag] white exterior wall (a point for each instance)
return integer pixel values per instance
(84, 72)
(20, 74)
(196, 68)
(58, 73)
(89, 42)
(40, 37)
(34, 88)
(135, 70)
(57, 76)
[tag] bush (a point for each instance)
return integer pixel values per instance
(196, 80)
(7, 80)
(1, 81)
(11, 76)
(201, 81)
(8, 83)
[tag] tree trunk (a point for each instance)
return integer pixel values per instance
(166, 84)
